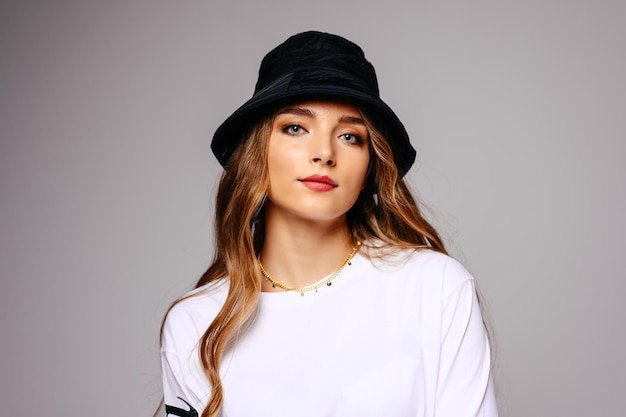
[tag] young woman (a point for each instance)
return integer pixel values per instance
(329, 294)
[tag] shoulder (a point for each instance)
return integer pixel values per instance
(451, 271)
(424, 267)
(190, 316)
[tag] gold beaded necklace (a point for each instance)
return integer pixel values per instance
(327, 281)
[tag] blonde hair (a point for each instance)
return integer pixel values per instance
(385, 211)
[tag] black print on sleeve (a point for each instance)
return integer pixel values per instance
(175, 411)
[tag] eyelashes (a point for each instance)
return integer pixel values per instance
(351, 138)
(295, 129)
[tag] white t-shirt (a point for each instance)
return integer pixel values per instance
(385, 339)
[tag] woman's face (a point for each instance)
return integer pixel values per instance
(317, 160)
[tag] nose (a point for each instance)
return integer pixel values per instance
(322, 151)
(326, 161)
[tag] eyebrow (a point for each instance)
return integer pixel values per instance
(299, 111)
(352, 120)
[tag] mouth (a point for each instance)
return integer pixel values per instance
(318, 183)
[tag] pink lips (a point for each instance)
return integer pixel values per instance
(318, 183)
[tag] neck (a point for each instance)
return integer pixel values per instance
(298, 254)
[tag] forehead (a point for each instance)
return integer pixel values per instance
(321, 106)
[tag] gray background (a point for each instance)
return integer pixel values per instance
(517, 110)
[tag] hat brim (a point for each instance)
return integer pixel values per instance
(230, 133)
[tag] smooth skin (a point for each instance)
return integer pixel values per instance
(317, 162)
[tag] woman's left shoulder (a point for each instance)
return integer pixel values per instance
(428, 267)
(437, 262)
(437, 265)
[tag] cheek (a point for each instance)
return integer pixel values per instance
(284, 164)
(363, 171)
(357, 176)
(276, 161)
(280, 153)
(364, 177)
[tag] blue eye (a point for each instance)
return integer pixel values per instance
(293, 129)
(350, 138)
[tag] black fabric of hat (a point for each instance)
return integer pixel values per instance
(315, 65)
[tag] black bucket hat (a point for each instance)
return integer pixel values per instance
(312, 65)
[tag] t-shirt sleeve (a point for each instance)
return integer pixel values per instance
(178, 400)
(464, 384)
(184, 384)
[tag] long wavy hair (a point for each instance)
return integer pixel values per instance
(385, 212)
